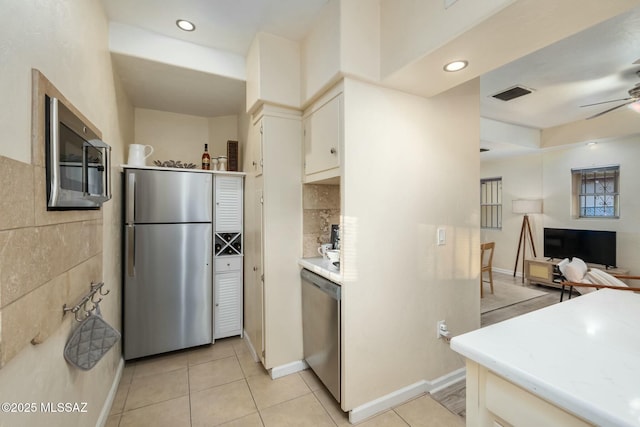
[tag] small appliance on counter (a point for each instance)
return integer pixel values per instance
(335, 236)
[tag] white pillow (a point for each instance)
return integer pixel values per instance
(575, 270)
(562, 266)
(580, 263)
(604, 278)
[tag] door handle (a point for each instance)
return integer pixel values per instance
(131, 197)
(131, 255)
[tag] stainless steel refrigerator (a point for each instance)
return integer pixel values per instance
(168, 258)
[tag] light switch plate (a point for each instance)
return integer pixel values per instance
(442, 236)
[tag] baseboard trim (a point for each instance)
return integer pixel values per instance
(106, 407)
(447, 380)
(252, 350)
(403, 395)
(384, 403)
(288, 369)
(502, 270)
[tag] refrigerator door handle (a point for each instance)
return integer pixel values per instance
(131, 255)
(131, 198)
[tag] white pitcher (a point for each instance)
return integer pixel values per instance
(137, 154)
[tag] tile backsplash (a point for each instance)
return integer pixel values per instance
(321, 208)
(47, 258)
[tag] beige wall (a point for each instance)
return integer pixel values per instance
(521, 179)
(556, 185)
(221, 130)
(399, 186)
(273, 72)
(547, 175)
(182, 137)
(412, 29)
(67, 41)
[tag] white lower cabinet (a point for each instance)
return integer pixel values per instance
(227, 311)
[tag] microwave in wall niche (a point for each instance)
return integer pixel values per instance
(78, 162)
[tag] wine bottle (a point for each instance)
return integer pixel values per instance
(206, 159)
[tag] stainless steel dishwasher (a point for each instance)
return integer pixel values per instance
(321, 328)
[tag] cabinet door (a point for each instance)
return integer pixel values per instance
(228, 304)
(322, 137)
(228, 196)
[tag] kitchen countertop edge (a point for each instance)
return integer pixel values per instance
(493, 347)
(322, 267)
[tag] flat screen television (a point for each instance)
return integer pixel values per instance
(596, 247)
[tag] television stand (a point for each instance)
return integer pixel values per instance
(545, 271)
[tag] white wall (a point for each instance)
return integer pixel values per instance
(521, 179)
(182, 137)
(321, 52)
(273, 72)
(557, 165)
(410, 166)
(67, 40)
(221, 130)
(548, 175)
(412, 29)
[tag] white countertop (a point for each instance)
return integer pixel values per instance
(322, 267)
(581, 355)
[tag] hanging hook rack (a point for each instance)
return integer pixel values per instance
(80, 310)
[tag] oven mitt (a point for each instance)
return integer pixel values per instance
(89, 342)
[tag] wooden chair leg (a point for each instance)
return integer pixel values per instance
(491, 280)
(481, 293)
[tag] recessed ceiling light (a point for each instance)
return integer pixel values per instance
(185, 25)
(456, 65)
(592, 144)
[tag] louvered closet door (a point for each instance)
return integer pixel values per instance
(228, 195)
(228, 304)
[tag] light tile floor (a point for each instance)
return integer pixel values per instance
(220, 384)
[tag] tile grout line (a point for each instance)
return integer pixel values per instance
(189, 391)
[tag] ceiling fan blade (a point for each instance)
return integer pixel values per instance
(609, 110)
(605, 102)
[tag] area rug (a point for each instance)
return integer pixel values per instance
(505, 295)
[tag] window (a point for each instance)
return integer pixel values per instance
(596, 192)
(491, 203)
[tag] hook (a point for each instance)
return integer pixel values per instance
(84, 307)
(94, 301)
(75, 310)
(81, 318)
(106, 293)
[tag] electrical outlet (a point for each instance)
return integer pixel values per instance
(449, 3)
(441, 327)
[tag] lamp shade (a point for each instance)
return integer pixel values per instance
(526, 206)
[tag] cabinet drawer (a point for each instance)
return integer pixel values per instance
(519, 407)
(231, 263)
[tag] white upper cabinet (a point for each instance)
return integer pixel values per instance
(228, 197)
(323, 140)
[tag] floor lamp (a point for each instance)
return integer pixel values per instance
(525, 207)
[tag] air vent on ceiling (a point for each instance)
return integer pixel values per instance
(482, 150)
(512, 93)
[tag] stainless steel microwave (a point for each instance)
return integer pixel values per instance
(78, 162)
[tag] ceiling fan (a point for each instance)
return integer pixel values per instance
(634, 95)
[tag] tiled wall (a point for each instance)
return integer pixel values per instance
(47, 258)
(321, 208)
